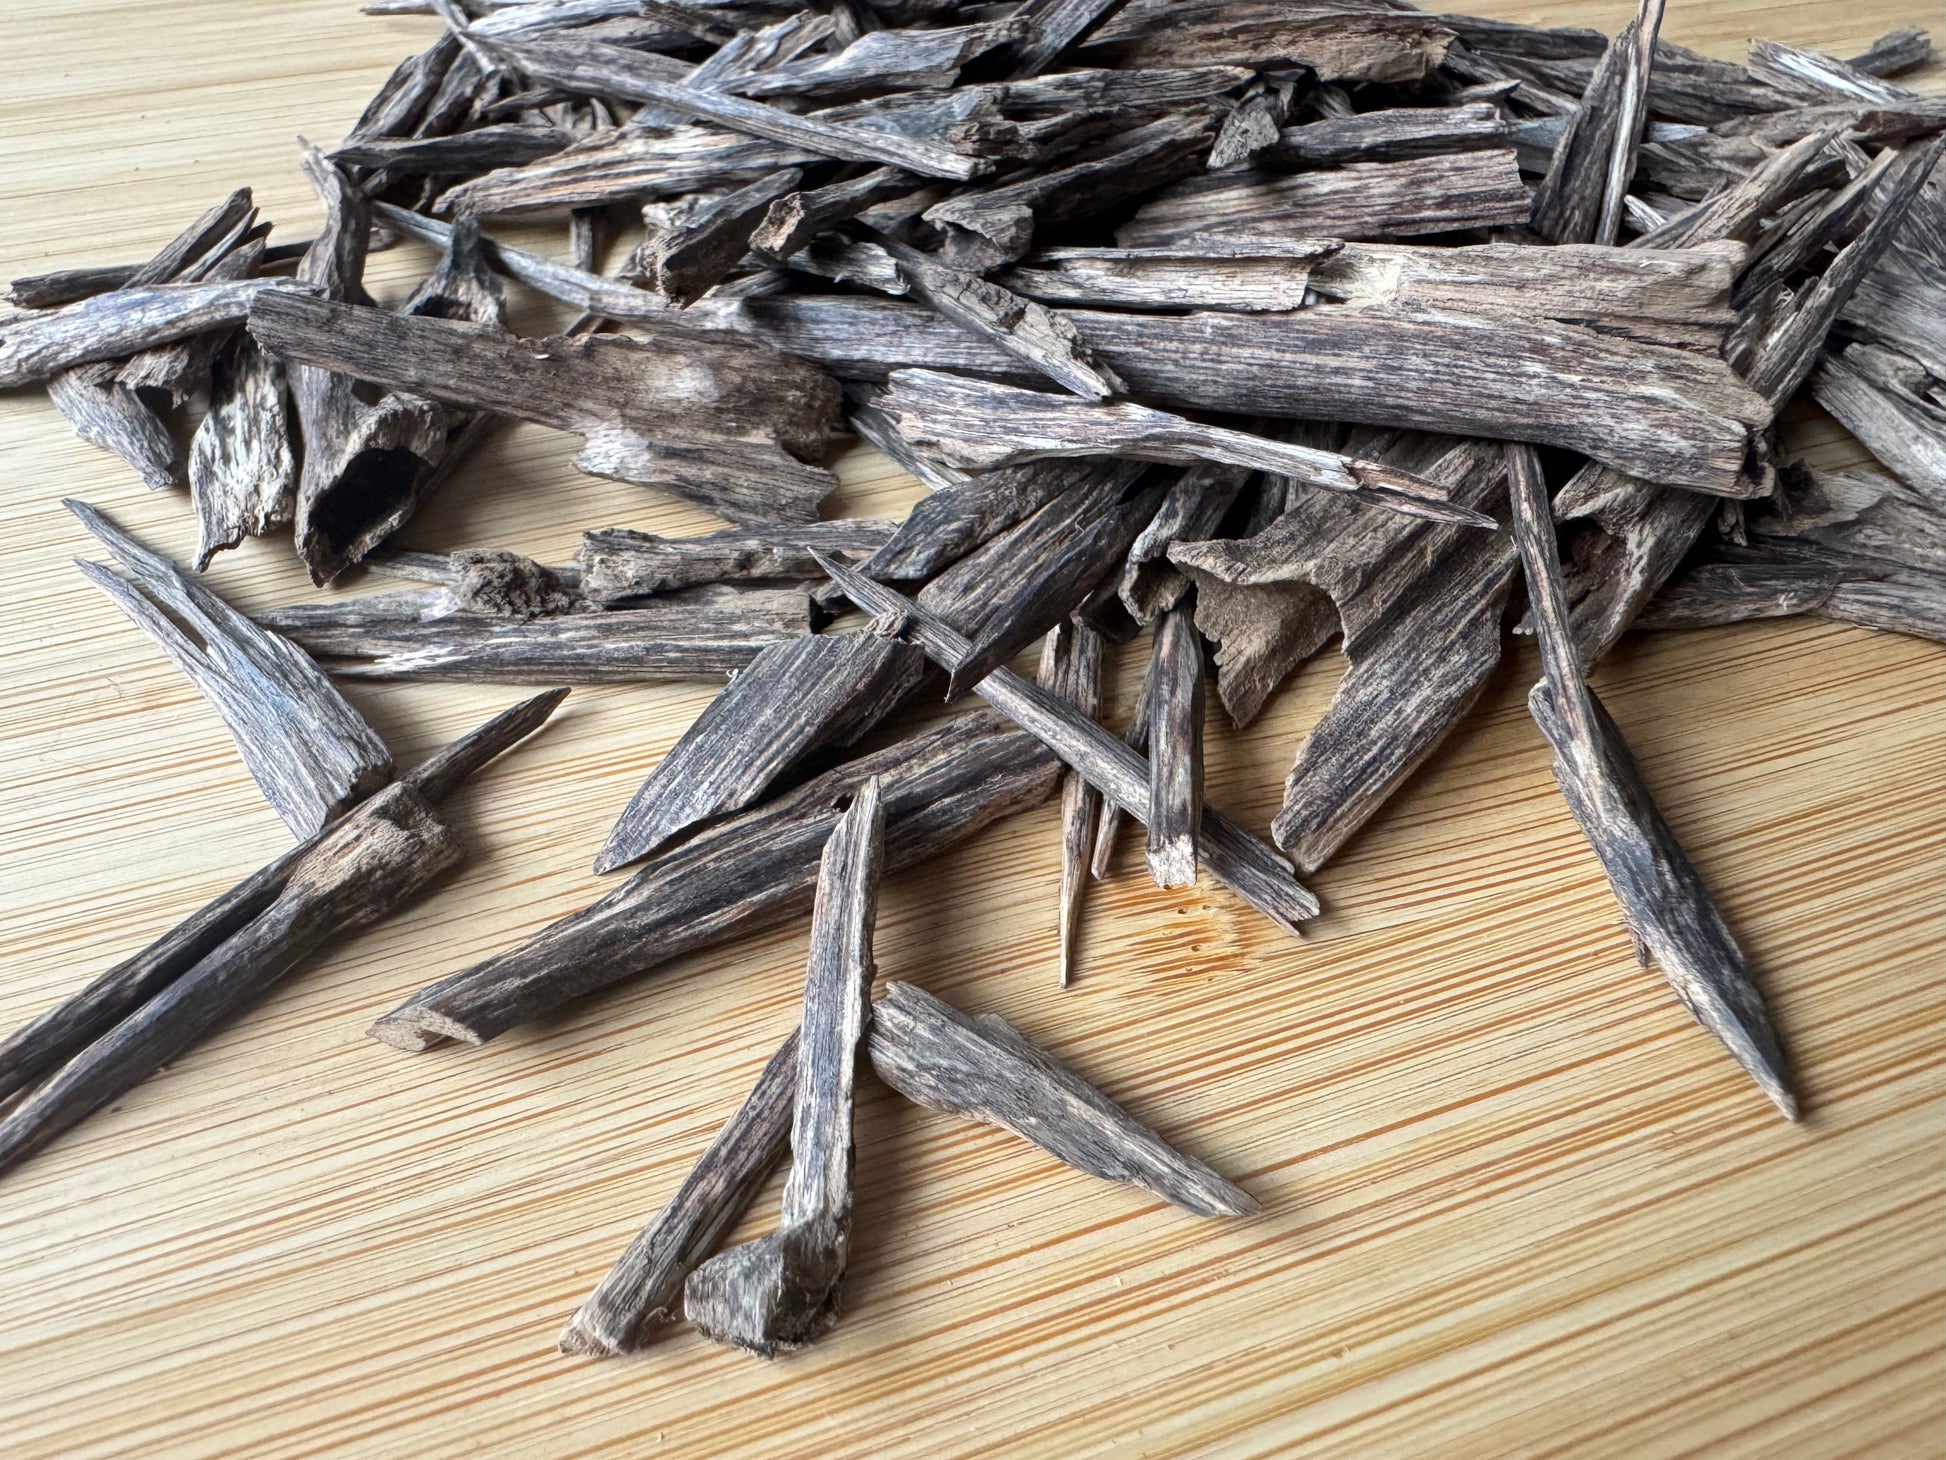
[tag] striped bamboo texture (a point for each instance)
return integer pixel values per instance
(1517, 1204)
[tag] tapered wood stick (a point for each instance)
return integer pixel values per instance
(144, 1012)
(1248, 866)
(1071, 667)
(1176, 750)
(1667, 908)
(987, 1070)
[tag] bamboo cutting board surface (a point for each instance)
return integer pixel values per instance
(1516, 1203)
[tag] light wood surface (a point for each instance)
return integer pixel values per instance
(1516, 1203)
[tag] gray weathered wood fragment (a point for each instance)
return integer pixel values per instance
(987, 1070)
(308, 750)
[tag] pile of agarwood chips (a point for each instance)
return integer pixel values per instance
(1253, 323)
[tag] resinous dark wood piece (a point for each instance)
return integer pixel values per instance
(1202, 275)
(723, 423)
(684, 262)
(976, 423)
(1236, 858)
(501, 144)
(309, 751)
(1136, 738)
(617, 563)
(795, 219)
(1175, 749)
(1667, 415)
(986, 226)
(1350, 44)
(1852, 546)
(702, 634)
(148, 1010)
(751, 871)
(1071, 667)
(1887, 400)
(781, 1291)
(1031, 331)
(36, 344)
(1391, 135)
(1667, 908)
(594, 68)
(1580, 199)
(1023, 581)
(106, 413)
(609, 167)
(987, 1070)
(1437, 194)
(793, 697)
(954, 520)
(883, 60)
(100, 400)
(644, 1287)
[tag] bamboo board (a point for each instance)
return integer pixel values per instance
(1517, 1204)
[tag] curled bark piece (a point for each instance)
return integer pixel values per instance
(980, 424)
(730, 426)
(676, 638)
(1175, 749)
(1071, 668)
(1197, 503)
(748, 872)
(39, 343)
(1663, 900)
(644, 1287)
(792, 698)
(618, 564)
(1236, 858)
(368, 468)
(987, 1070)
(1420, 607)
(149, 1009)
(781, 1291)
(1439, 194)
(310, 752)
(242, 473)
